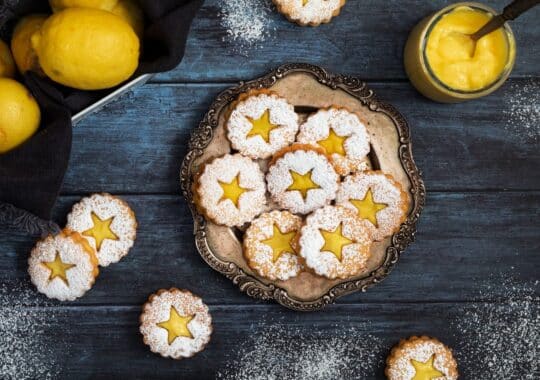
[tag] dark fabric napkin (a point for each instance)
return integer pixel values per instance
(31, 175)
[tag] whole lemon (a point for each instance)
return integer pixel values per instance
(88, 49)
(21, 45)
(19, 114)
(7, 66)
(58, 5)
(130, 11)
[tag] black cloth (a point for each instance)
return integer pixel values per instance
(31, 175)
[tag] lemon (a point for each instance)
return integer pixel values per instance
(130, 11)
(19, 114)
(88, 49)
(58, 5)
(21, 46)
(7, 66)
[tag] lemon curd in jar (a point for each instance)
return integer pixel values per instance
(446, 65)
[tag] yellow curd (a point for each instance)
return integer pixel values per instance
(453, 58)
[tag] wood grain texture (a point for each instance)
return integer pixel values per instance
(465, 242)
(136, 144)
(366, 40)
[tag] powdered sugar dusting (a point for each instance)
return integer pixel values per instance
(313, 12)
(522, 112)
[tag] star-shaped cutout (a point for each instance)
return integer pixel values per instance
(232, 190)
(426, 371)
(335, 241)
(304, 2)
(302, 183)
(101, 230)
(334, 143)
(58, 268)
(280, 243)
(368, 208)
(261, 126)
(176, 325)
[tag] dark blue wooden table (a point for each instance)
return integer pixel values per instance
(470, 279)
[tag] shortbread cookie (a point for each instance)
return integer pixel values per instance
(309, 12)
(230, 190)
(301, 179)
(261, 123)
(175, 323)
(270, 245)
(342, 136)
(108, 223)
(378, 199)
(335, 243)
(421, 358)
(63, 266)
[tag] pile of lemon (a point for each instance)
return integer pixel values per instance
(84, 44)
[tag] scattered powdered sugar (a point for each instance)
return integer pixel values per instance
(25, 350)
(247, 23)
(523, 110)
(502, 334)
(287, 353)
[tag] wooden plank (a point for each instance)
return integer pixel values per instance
(367, 40)
(136, 144)
(353, 341)
(466, 242)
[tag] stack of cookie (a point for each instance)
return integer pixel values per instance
(100, 230)
(302, 191)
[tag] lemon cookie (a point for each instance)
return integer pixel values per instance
(108, 223)
(261, 123)
(175, 323)
(342, 136)
(421, 358)
(378, 199)
(270, 245)
(335, 243)
(301, 179)
(230, 190)
(309, 12)
(63, 266)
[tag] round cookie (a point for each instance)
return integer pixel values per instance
(230, 190)
(175, 323)
(309, 12)
(270, 245)
(342, 136)
(335, 243)
(63, 266)
(261, 123)
(108, 223)
(301, 179)
(378, 199)
(421, 358)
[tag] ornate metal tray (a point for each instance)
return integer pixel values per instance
(307, 87)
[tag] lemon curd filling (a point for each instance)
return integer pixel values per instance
(280, 243)
(456, 60)
(176, 325)
(333, 143)
(101, 230)
(262, 126)
(426, 371)
(335, 241)
(368, 208)
(58, 268)
(302, 183)
(232, 190)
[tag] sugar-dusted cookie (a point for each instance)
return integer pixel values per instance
(63, 266)
(301, 178)
(378, 199)
(261, 123)
(230, 190)
(175, 323)
(342, 136)
(108, 223)
(309, 12)
(421, 358)
(335, 243)
(270, 245)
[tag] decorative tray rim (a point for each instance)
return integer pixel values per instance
(203, 135)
